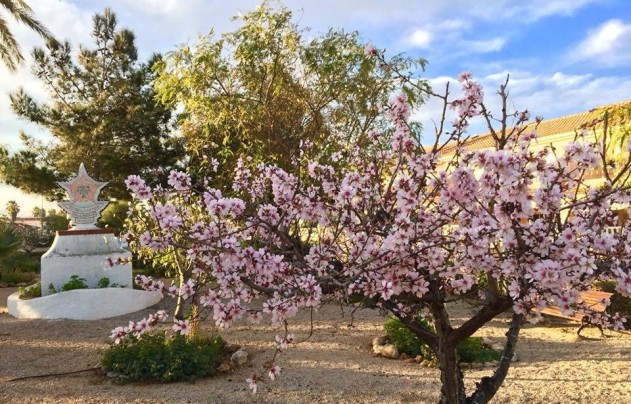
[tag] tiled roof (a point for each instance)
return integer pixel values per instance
(547, 127)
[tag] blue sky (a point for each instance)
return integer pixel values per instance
(563, 56)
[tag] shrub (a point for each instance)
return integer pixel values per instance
(31, 292)
(74, 283)
(158, 357)
(104, 282)
(471, 349)
(13, 277)
(619, 304)
(405, 340)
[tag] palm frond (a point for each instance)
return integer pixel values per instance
(10, 239)
(24, 14)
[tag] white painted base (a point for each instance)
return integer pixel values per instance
(83, 304)
(84, 253)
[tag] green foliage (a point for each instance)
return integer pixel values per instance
(405, 340)
(102, 113)
(10, 52)
(31, 292)
(15, 276)
(103, 282)
(114, 216)
(12, 209)
(55, 222)
(74, 283)
(33, 238)
(10, 239)
(269, 85)
(471, 349)
(619, 304)
(19, 261)
(158, 357)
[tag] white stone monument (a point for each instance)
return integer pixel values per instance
(84, 250)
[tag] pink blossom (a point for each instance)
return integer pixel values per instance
(181, 326)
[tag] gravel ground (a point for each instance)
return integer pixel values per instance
(334, 365)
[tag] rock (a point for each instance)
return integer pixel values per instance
(22, 284)
(379, 340)
(389, 351)
(231, 348)
(418, 359)
(4, 285)
(488, 365)
(404, 356)
(487, 341)
(425, 362)
(376, 349)
(225, 367)
(515, 357)
(116, 375)
(239, 358)
(410, 360)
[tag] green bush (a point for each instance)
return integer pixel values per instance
(19, 261)
(104, 282)
(473, 349)
(158, 357)
(405, 340)
(470, 350)
(13, 277)
(619, 304)
(74, 283)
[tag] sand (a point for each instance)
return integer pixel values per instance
(335, 365)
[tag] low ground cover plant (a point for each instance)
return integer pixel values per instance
(163, 358)
(472, 349)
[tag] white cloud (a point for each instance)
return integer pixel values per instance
(485, 46)
(548, 95)
(607, 45)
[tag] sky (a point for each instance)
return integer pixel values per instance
(563, 56)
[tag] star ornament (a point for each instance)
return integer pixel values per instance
(83, 207)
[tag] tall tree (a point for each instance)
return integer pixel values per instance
(13, 209)
(264, 88)
(102, 113)
(10, 52)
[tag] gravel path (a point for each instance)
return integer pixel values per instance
(334, 365)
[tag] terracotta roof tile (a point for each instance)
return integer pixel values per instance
(547, 127)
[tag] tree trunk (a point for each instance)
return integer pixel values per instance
(488, 386)
(452, 391)
(179, 305)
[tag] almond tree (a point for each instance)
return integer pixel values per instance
(404, 224)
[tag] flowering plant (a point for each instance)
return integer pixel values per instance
(409, 225)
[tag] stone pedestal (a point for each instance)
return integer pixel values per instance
(84, 253)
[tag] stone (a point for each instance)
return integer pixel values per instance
(389, 351)
(225, 367)
(230, 348)
(379, 340)
(515, 357)
(487, 341)
(404, 356)
(410, 360)
(239, 358)
(418, 359)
